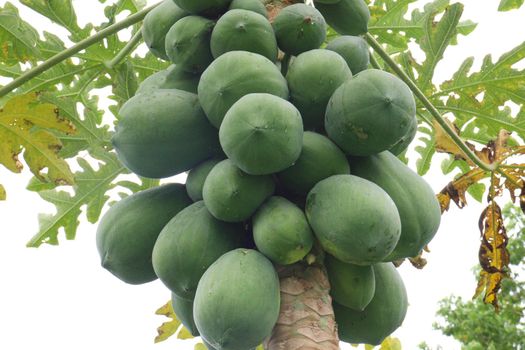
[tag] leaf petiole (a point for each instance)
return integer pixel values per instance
(126, 50)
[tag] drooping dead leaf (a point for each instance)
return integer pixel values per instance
(493, 254)
(168, 328)
(419, 262)
(456, 189)
(184, 333)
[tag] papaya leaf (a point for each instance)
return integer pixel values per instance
(124, 85)
(60, 12)
(184, 334)
(507, 5)
(456, 189)
(25, 125)
(427, 150)
(200, 346)
(3, 195)
(168, 328)
(90, 189)
(18, 40)
(390, 343)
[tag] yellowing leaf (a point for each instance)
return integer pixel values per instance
(184, 333)
(168, 328)
(456, 189)
(2, 193)
(369, 347)
(25, 125)
(200, 346)
(390, 344)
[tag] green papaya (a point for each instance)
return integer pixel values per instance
(208, 8)
(383, 315)
(157, 23)
(370, 113)
(328, 1)
(415, 200)
(262, 134)
(183, 309)
(233, 75)
(405, 141)
(231, 195)
(188, 43)
(250, 5)
(237, 301)
(127, 233)
(320, 158)
(353, 49)
(347, 17)
(351, 286)
(281, 231)
(163, 133)
(354, 219)
(244, 30)
(171, 78)
(196, 178)
(311, 84)
(189, 244)
(299, 28)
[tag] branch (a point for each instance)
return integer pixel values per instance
(56, 59)
(428, 105)
(126, 50)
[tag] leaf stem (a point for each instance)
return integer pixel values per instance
(126, 50)
(512, 166)
(56, 59)
(374, 62)
(428, 105)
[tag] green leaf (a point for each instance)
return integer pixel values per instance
(18, 40)
(427, 150)
(90, 190)
(124, 85)
(477, 191)
(25, 125)
(59, 11)
(507, 5)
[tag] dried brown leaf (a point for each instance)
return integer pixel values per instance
(456, 189)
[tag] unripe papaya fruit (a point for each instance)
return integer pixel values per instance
(347, 17)
(405, 141)
(208, 8)
(233, 75)
(353, 49)
(196, 178)
(383, 315)
(370, 113)
(188, 43)
(171, 78)
(155, 136)
(354, 219)
(244, 30)
(250, 5)
(231, 195)
(320, 158)
(127, 233)
(183, 309)
(418, 207)
(157, 23)
(311, 84)
(189, 244)
(281, 231)
(262, 134)
(299, 28)
(351, 286)
(237, 301)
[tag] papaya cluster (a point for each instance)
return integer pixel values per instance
(289, 144)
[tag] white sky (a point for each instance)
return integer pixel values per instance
(60, 297)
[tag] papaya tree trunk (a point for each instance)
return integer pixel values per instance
(306, 320)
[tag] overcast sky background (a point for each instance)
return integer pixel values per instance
(60, 297)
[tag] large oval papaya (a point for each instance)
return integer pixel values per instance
(237, 301)
(383, 315)
(171, 78)
(370, 113)
(157, 23)
(189, 244)
(353, 49)
(354, 219)
(351, 285)
(231, 195)
(320, 158)
(163, 133)
(233, 75)
(188, 43)
(281, 231)
(299, 28)
(251, 5)
(210, 8)
(347, 17)
(262, 134)
(244, 30)
(311, 84)
(127, 233)
(196, 178)
(418, 207)
(183, 309)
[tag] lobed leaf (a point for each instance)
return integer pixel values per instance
(507, 5)
(60, 12)
(168, 328)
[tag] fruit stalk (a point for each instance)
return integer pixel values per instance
(306, 320)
